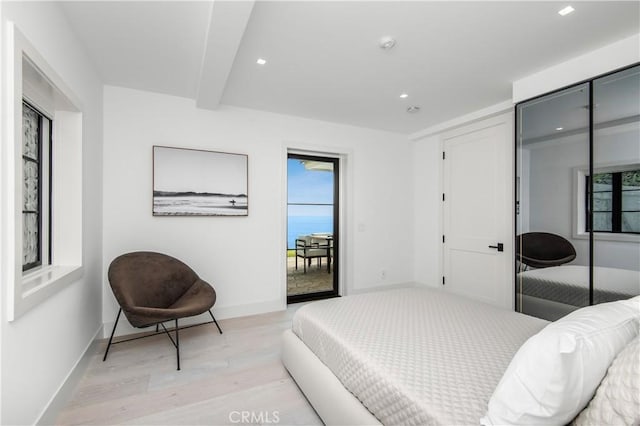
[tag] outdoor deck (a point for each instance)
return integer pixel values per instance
(315, 280)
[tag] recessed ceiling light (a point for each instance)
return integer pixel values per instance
(261, 61)
(404, 96)
(559, 128)
(387, 43)
(567, 10)
(413, 109)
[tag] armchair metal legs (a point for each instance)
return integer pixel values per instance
(214, 320)
(176, 342)
(111, 337)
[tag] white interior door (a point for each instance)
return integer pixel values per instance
(478, 213)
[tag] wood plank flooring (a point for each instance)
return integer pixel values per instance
(222, 376)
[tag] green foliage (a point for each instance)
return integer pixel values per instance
(603, 178)
(631, 178)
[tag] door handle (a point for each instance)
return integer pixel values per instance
(499, 247)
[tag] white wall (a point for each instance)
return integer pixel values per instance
(41, 348)
(600, 61)
(243, 257)
(551, 189)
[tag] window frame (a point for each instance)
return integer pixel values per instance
(45, 166)
(29, 77)
(580, 203)
(616, 202)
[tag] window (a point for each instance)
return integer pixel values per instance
(42, 194)
(36, 189)
(616, 202)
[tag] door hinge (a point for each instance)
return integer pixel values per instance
(443, 238)
(443, 280)
(443, 196)
(443, 155)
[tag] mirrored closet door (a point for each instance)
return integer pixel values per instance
(578, 196)
(616, 185)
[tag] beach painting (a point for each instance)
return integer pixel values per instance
(191, 182)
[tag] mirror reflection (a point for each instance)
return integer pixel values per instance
(553, 266)
(562, 214)
(616, 185)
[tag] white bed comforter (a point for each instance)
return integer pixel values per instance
(415, 356)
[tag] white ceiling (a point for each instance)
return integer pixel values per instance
(324, 62)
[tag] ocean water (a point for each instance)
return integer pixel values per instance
(305, 225)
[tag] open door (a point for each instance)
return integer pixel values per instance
(312, 227)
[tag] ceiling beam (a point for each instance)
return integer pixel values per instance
(478, 115)
(227, 25)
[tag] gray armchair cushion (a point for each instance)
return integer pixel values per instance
(153, 287)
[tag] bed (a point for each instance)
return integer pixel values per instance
(408, 356)
(551, 293)
(424, 356)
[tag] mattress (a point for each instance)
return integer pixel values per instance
(415, 356)
(569, 284)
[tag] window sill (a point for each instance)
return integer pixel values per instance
(32, 282)
(40, 285)
(606, 236)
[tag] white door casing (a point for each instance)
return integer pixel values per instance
(478, 211)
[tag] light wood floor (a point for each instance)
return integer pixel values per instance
(222, 376)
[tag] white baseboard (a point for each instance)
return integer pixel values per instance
(60, 398)
(225, 312)
(430, 284)
(221, 313)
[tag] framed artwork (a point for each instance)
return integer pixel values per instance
(192, 182)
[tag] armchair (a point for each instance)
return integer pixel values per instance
(153, 288)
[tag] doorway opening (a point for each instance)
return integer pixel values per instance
(312, 227)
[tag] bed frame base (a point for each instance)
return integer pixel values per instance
(332, 401)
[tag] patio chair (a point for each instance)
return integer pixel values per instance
(307, 249)
(153, 288)
(324, 240)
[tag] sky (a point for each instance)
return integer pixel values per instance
(308, 186)
(199, 171)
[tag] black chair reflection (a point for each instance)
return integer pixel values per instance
(543, 249)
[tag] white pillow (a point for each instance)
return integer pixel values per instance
(556, 372)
